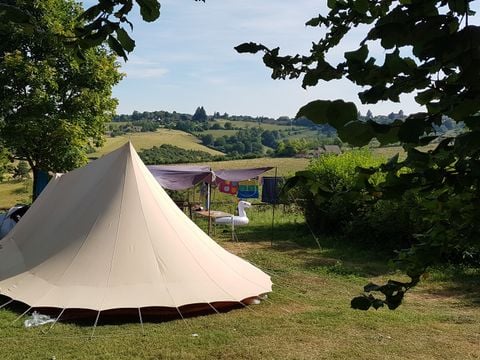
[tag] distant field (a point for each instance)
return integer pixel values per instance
(285, 166)
(244, 124)
(149, 139)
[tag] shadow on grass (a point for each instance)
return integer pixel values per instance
(332, 255)
(455, 281)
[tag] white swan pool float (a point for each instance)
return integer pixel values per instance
(235, 220)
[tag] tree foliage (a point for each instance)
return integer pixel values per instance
(431, 50)
(52, 106)
(105, 21)
(200, 115)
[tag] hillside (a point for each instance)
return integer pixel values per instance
(147, 140)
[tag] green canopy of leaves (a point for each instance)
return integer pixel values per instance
(432, 51)
(52, 106)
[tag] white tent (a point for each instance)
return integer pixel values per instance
(107, 236)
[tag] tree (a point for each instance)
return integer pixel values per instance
(228, 125)
(52, 106)
(107, 20)
(207, 139)
(430, 49)
(21, 171)
(4, 163)
(200, 115)
(268, 139)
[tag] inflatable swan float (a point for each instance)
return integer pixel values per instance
(239, 220)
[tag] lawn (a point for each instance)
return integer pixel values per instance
(14, 192)
(307, 316)
(149, 139)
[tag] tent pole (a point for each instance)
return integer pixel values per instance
(18, 318)
(53, 324)
(8, 302)
(209, 195)
(141, 320)
(214, 308)
(273, 207)
(95, 325)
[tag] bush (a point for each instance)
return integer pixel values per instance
(385, 225)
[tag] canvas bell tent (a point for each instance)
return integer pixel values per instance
(106, 238)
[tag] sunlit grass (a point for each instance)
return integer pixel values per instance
(149, 139)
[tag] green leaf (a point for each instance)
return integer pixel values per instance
(149, 9)
(412, 129)
(356, 133)
(117, 47)
(335, 113)
(371, 287)
(332, 4)
(361, 6)
(377, 303)
(359, 55)
(250, 47)
(360, 303)
(125, 40)
(14, 14)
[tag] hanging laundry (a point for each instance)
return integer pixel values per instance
(227, 187)
(248, 189)
(271, 187)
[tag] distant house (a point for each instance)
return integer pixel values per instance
(328, 149)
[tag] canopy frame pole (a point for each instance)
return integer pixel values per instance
(8, 302)
(56, 320)
(95, 324)
(209, 207)
(141, 320)
(18, 318)
(273, 207)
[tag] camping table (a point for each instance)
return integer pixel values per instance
(212, 214)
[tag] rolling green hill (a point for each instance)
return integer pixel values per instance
(147, 140)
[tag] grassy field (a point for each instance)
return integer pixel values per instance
(285, 166)
(244, 124)
(13, 192)
(307, 316)
(148, 140)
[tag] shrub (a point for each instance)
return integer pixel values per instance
(332, 208)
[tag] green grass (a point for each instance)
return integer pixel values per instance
(149, 139)
(307, 316)
(14, 192)
(285, 166)
(244, 124)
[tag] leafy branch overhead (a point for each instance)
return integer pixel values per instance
(431, 51)
(106, 21)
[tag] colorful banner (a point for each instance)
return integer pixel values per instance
(228, 187)
(248, 189)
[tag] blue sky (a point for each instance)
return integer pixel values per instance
(186, 59)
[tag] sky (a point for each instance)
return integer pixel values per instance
(187, 59)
